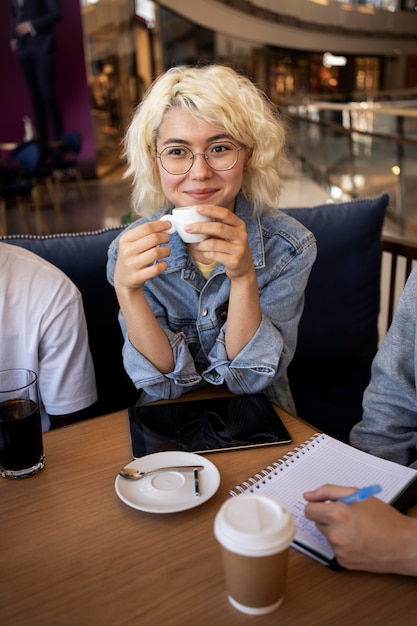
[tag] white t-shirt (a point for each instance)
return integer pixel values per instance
(43, 328)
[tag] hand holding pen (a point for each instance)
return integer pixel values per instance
(369, 534)
(335, 493)
(361, 494)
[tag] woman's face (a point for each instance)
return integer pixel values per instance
(201, 184)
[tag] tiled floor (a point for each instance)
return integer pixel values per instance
(104, 204)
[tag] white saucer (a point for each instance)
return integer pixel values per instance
(168, 492)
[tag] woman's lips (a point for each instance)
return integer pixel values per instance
(201, 194)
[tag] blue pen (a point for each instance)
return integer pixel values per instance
(361, 494)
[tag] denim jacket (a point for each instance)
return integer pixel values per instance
(193, 314)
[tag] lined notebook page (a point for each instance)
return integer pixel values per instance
(323, 459)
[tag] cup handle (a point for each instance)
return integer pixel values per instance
(169, 218)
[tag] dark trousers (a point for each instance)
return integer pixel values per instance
(39, 71)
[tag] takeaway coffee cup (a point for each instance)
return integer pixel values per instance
(183, 216)
(255, 532)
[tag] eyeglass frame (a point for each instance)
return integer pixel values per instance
(192, 159)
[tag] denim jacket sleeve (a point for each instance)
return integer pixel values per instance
(147, 377)
(389, 424)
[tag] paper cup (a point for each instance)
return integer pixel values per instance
(254, 532)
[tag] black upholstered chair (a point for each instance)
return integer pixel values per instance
(338, 333)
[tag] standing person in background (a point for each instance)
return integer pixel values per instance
(225, 310)
(33, 42)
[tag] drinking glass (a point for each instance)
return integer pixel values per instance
(21, 446)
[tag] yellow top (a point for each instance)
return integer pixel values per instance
(205, 269)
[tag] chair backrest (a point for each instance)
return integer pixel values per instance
(72, 142)
(399, 259)
(28, 156)
(338, 332)
(5, 177)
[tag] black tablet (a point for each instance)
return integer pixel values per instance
(206, 425)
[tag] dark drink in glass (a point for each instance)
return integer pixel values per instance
(20, 435)
(21, 447)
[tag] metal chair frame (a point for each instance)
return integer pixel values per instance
(403, 255)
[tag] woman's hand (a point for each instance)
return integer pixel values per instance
(227, 241)
(141, 255)
(228, 244)
(369, 535)
(142, 251)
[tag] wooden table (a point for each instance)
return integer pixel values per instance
(72, 554)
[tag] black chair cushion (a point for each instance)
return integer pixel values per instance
(338, 332)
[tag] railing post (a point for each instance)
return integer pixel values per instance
(354, 193)
(401, 174)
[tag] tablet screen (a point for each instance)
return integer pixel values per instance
(206, 425)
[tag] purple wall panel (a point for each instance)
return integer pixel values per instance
(71, 81)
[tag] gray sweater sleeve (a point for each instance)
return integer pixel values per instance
(389, 425)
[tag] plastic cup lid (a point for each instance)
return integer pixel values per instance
(254, 525)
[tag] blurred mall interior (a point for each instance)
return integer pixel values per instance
(343, 75)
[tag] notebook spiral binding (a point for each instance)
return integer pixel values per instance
(277, 466)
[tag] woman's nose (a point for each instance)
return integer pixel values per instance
(200, 167)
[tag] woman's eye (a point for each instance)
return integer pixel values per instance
(176, 152)
(221, 147)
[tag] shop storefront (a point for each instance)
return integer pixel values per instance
(130, 42)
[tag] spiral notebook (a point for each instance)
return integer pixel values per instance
(323, 459)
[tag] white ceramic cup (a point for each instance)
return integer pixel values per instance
(180, 218)
(255, 532)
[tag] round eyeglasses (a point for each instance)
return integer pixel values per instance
(218, 156)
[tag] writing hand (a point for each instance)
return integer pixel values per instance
(368, 535)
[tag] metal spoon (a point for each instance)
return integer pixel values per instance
(135, 474)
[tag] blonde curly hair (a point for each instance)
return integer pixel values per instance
(220, 96)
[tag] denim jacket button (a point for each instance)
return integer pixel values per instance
(204, 312)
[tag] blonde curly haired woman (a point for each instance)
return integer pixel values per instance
(223, 311)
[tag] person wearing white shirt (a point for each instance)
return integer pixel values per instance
(43, 328)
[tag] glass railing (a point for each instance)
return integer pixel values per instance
(360, 149)
(389, 5)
